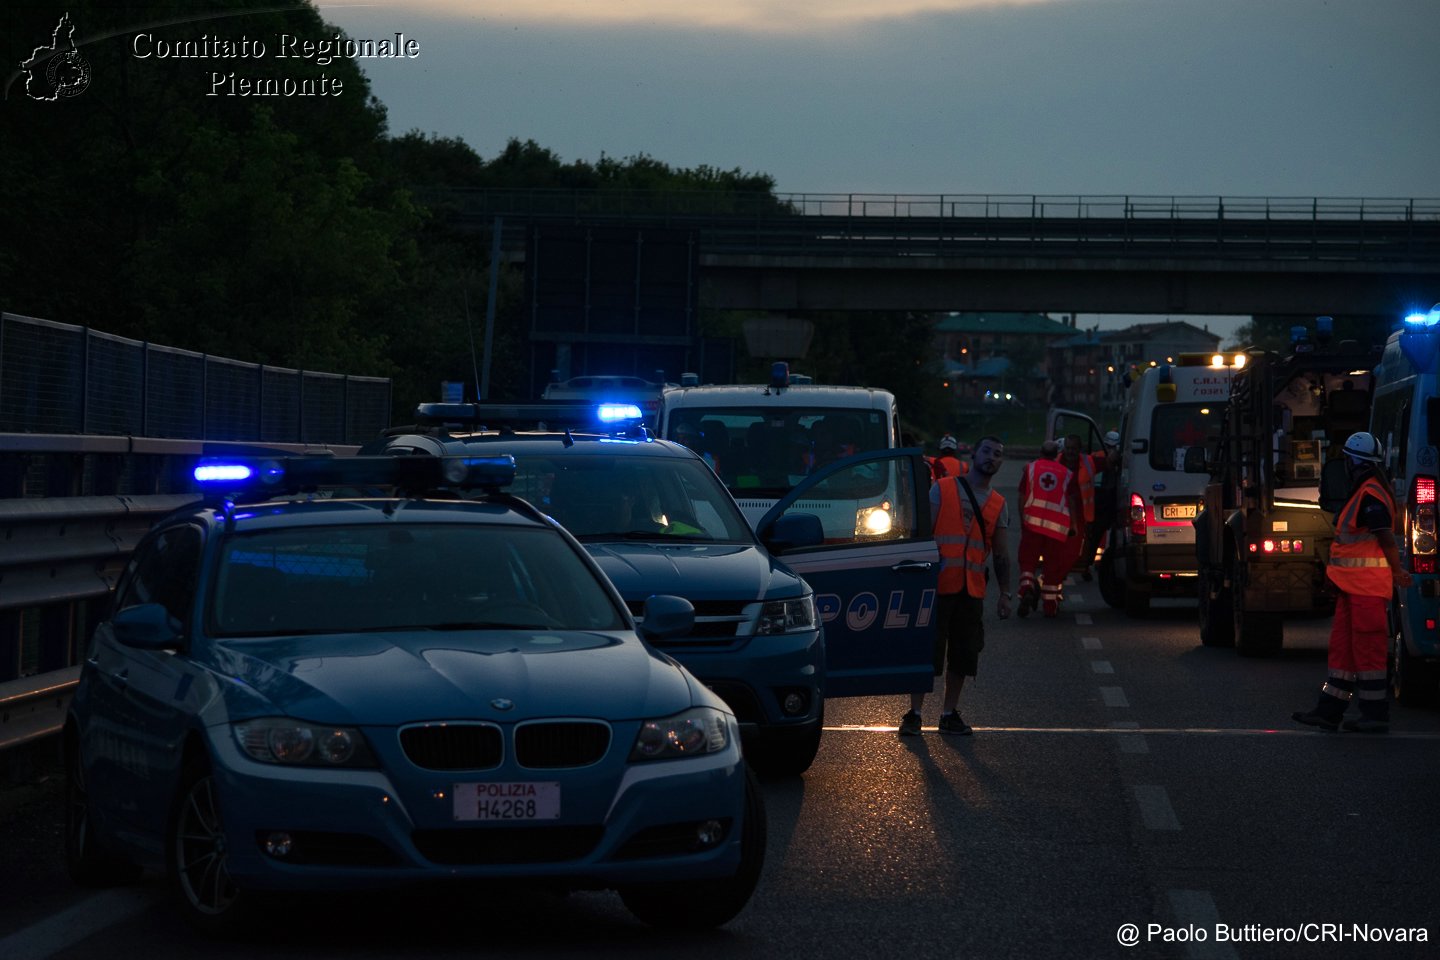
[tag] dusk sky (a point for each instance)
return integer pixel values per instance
(1235, 98)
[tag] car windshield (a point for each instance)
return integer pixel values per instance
(764, 451)
(609, 496)
(431, 576)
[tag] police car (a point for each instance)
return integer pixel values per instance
(339, 693)
(848, 612)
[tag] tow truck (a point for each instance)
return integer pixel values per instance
(1277, 476)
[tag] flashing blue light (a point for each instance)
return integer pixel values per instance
(616, 412)
(223, 472)
(1430, 319)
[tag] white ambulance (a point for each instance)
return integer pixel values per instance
(763, 439)
(1170, 409)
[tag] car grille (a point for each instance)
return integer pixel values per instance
(564, 743)
(717, 622)
(507, 844)
(453, 746)
(741, 699)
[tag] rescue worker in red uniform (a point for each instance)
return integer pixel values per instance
(1083, 466)
(971, 523)
(1365, 567)
(949, 464)
(1050, 509)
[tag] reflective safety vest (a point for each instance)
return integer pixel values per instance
(1087, 486)
(1357, 564)
(951, 466)
(961, 540)
(1045, 507)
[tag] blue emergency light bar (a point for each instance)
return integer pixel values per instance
(281, 475)
(1420, 339)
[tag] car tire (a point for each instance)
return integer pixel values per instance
(1217, 616)
(1137, 600)
(196, 858)
(703, 904)
(1111, 590)
(1257, 634)
(89, 862)
(1413, 681)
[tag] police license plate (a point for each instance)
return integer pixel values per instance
(507, 801)
(1177, 511)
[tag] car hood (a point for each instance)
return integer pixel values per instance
(695, 571)
(403, 677)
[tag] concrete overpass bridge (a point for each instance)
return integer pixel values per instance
(1092, 254)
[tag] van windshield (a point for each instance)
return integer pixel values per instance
(764, 451)
(1176, 427)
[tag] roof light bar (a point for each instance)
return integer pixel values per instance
(242, 477)
(554, 415)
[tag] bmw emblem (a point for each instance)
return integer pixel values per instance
(500, 703)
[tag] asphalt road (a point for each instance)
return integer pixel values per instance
(1119, 773)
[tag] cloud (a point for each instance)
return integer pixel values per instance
(750, 16)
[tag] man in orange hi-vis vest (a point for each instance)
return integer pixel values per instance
(1050, 509)
(1365, 566)
(971, 523)
(1083, 466)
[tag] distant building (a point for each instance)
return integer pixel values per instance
(996, 354)
(1087, 370)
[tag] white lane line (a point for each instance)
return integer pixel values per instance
(1090, 643)
(1084, 620)
(1155, 810)
(1102, 666)
(1151, 731)
(1075, 598)
(1114, 697)
(1196, 909)
(69, 927)
(1129, 741)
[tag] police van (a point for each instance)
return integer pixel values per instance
(1170, 409)
(764, 439)
(1405, 418)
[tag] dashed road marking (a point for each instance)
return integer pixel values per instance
(1155, 810)
(1102, 666)
(1129, 741)
(1090, 643)
(1114, 697)
(1084, 619)
(1196, 908)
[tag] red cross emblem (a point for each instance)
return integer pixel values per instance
(1048, 481)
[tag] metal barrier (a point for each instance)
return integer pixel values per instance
(60, 556)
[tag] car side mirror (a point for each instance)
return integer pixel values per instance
(1334, 485)
(666, 617)
(147, 626)
(793, 530)
(1195, 460)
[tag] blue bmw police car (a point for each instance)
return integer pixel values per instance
(440, 684)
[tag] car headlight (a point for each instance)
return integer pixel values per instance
(874, 521)
(786, 616)
(296, 743)
(693, 733)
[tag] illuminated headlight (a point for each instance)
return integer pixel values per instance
(295, 743)
(873, 521)
(786, 616)
(690, 734)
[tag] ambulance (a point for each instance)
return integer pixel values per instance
(764, 439)
(1405, 418)
(1170, 410)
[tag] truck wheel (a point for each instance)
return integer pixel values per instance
(1217, 616)
(1413, 681)
(1137, 600)
(1257, 634)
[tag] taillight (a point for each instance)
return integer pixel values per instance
(1138, 519)
(1422, 525)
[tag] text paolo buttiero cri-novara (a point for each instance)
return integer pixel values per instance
(285, 46)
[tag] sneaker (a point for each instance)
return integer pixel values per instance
(953, 723)
(1367, 725)
(910, 724)
(1312, 719)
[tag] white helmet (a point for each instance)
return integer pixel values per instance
(1363, 446)
(1112, 439)
(948, 442)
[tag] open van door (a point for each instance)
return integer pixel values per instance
(859, 532)
(1060, 423)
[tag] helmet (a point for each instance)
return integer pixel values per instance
(1112, 439)
(948, 442)
(1363, 446)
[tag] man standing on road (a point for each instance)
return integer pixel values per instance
(1082, 465)
(971, 523)
(1365, 566)
(949, 464)
(1049, 511)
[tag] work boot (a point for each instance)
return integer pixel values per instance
(1367, 725)
(1312, 718)
(1026, 602)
